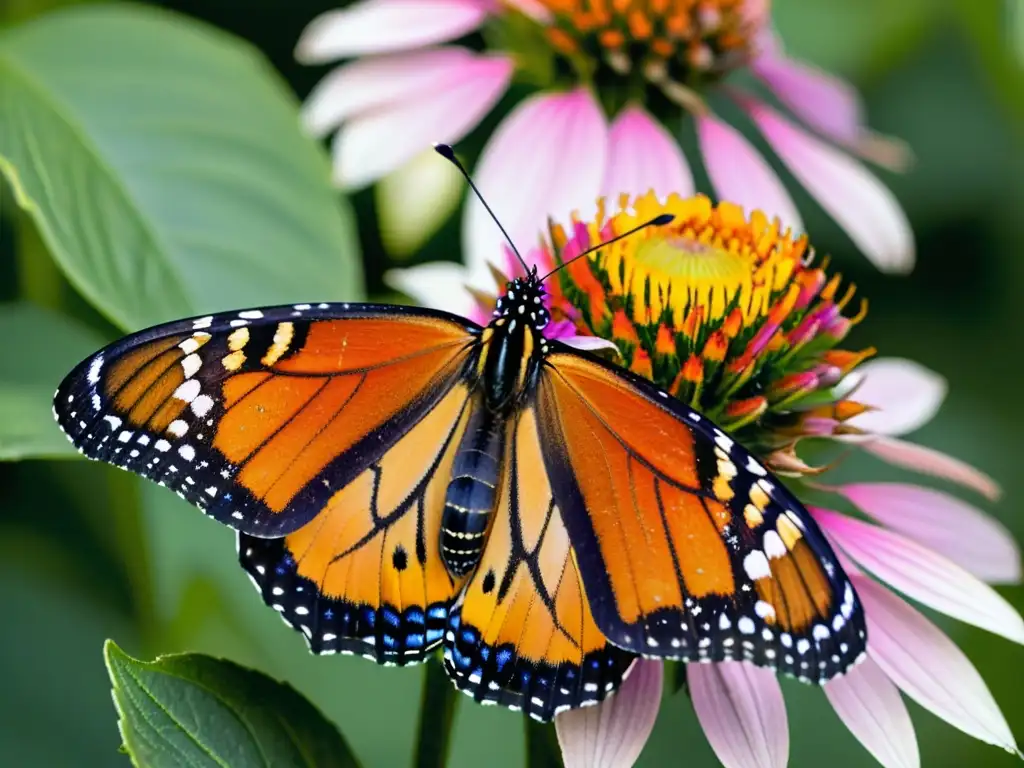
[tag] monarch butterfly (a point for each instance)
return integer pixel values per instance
(404, 479)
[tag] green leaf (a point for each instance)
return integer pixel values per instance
(437, 715)
(48, 345)
(195, 710)
(164, 165)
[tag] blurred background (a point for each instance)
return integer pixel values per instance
(87, 552)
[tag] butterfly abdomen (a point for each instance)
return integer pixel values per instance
(472, 492)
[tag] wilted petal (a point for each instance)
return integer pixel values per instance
(589, 343)
(929, 461)
(871, 707)
(856, 199)
(945, 524)
(547, 158)
(906, 395)
(741, 710)
(368, 84)
(821, 100)
(643, 156)
(377, 142)
(613, 733)
(923, 575)
(928, 666)
(437, 284)
(380, 26)
(740, 175)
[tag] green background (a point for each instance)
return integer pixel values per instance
(86, 552)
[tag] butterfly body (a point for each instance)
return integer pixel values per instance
(404, 480)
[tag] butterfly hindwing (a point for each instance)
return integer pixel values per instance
(258, 417)
(687, 546)
(365, 575)
(522, 634)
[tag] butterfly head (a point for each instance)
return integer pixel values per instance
(524, 302)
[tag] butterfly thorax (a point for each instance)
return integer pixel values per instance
(510, 352)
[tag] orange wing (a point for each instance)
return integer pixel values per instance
(260, 417)
(687, 546)
(365, 575)
(522, 634)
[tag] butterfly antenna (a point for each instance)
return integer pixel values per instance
(657, 221)
(445, 151)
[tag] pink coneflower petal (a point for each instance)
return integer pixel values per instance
(821, 100)
(906, 395)
(928, 666)
(379, 81)
(944, 524)
(377, 142)
(742, 712)
(643, 156)
(548, 155)
(533, 8)
(871, 707)
(855, 198)
(382, 26)
(439, 285)
(922, 574)
(612, 734)
(740, 175)
(929, 461)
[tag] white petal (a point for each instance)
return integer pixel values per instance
(741, 710)
(923, 575)
(642, 156)
(928, 667)
(368, 84)
(589, 343)
(415, 200)
(871, 707)
(375, 143)
(945, 524)
(380, 26)
(740, 175)
(906, 394)
(546, 159)
(613, 733)
(856, 199)
(437, 284)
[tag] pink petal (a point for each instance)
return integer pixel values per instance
(871, 707)
(547, 158)
(923, 575)
(741, 710)
(906, 394)
(928, 667)
(643, 156)
(589, 343)
(856, 199)
(953, 528)
(929, 461)
(382, 26)
(377, 142)
(824, 102)
(613, 733)
(535, 9)
(436, 284)
(379, 81)
(740, 175)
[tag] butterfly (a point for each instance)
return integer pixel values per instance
(404, 480)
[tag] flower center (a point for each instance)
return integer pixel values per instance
(669, 43)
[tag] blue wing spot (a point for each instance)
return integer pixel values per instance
(433, 635)
(440, 612)
(503, 657)
(414, 616)
(391, 617)
(389, 641)
(328, 614)
(414, 641)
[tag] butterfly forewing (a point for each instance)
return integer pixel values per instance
(687, 547)
(259, 417)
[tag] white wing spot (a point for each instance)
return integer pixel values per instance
(251, 314)
(187, 452)
(191, 364)
(178, 428)
(202, 405)
(188, 390)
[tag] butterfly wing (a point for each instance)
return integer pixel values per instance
(259, 417)
(522, 634)
(365, 575)
(688, 548)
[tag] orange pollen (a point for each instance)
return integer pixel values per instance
(693, 369)
(664, 344)
(623, 328)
